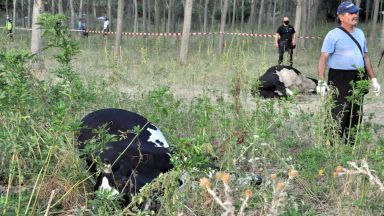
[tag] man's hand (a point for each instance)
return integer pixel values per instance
(322, 87)
(277, 45)
(376, 87)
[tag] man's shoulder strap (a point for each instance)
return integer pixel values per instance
(353, 38)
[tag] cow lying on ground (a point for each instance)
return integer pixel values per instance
(137, 156)
(280, 81)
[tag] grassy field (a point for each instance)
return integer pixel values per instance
(207, 114)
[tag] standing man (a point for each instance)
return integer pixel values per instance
(9, 26)
(344, 57)
(285, 40)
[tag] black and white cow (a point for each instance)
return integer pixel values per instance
(131, 161)
(281, 80)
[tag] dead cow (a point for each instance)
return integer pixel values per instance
(137, 156)
(281, 81)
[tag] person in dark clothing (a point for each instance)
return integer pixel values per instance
(343, 57)
(285, 40)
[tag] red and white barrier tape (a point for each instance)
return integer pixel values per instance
(178, 34)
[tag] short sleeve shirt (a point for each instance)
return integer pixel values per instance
(286, 32)
(344, 54)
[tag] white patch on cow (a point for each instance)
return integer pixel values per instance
(156, 135)
(289, 78)
(105, 186)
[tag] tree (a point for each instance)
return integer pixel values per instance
(60, 7)
(298, 17)
(119, 26)
(186, 30)
(136, 14)
(261, 13)
(144, 5)
(376, 4)
(169, 15)
(205, 16)
(14, 12)
(36, 40)
(224, 10)
(72, 9)
(157, 16)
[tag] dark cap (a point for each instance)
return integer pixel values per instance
(347, 7)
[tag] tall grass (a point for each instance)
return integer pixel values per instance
(207, 114)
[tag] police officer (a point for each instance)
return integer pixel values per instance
(9, 26)
(285, 40)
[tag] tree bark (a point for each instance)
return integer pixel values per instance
(213, 14)
(144, 15)
(157, 16)
(367, 10)
(186, 30)
(224, 10)
(252, 15)
(60, 6)
(72, 9)
(304, 23)
(298, 18)
(80, 9)
(205, 25)
(119, 25)
(136, 14)
(170, 5)
(29, 14)
(94, 9)
(14, 13)
(376, 4)
(36, 40)
(274, 14)
(233, 14)
(261, 13)
(53, 11)
(242, 16)
(109, 13)
(149, 15)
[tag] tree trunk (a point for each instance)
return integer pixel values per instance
(170, 5)
(261, 13)
(274, 14)
(53, 7)
(205, 25)
(186, 30)
(72, 9)
(119, 26)
(94, 9)
(367, 9)
(136, 14)
(109, 12)
(224, 9)
(298, 18)
(144, 15)
(304, 6)
(149, 15)
(36, 40)
(14, 13)
(376, 4)
(157, 16)
(382, 36)
(22, 14)
(252, 15)
(60, 6)
(242, 16)
(213, 14)
(358, 3)
(80, 9)
(233, 14)
(29, 15)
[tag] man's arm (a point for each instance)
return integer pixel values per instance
(294, 38)
(322, 62)
(277, 40)
(368, 66)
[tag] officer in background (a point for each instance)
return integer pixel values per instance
(285, 40)
(9, 26)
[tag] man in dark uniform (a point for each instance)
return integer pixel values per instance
(285, 40)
